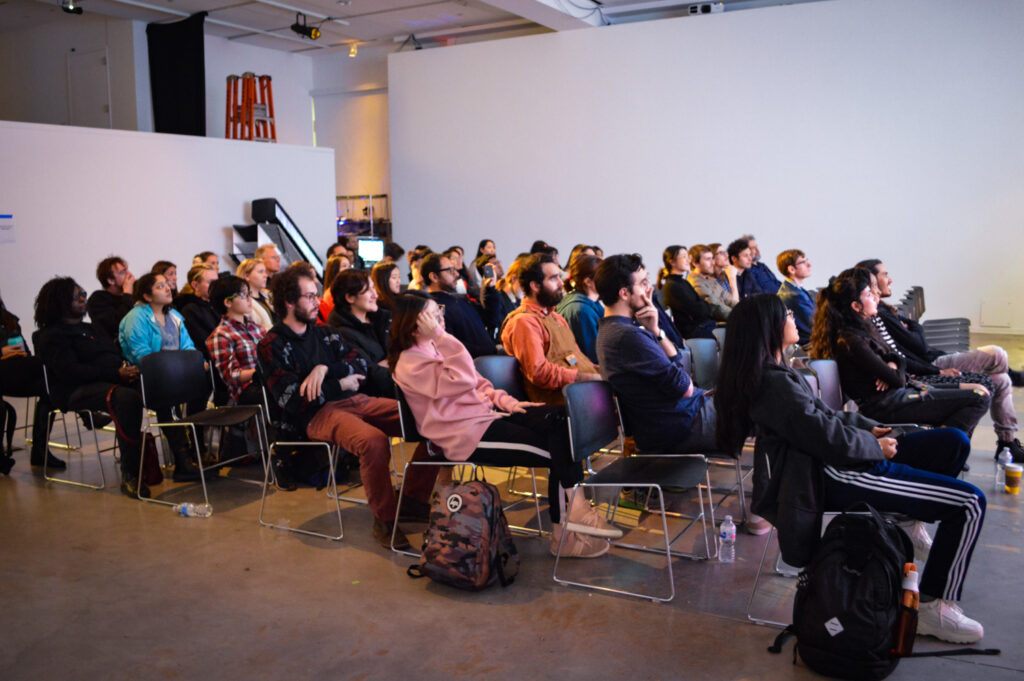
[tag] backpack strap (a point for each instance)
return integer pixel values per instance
(415, 571)
(957, 651)
(780, 640)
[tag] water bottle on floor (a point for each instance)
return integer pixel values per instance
(727, 539)
(1004, 458)
(190, 510)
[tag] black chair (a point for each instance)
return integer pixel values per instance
(62, 412)
(171, 378)
(592, 424)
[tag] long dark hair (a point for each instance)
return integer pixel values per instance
(404, 315)
(834, 314)
(380, 274)
(753, 339)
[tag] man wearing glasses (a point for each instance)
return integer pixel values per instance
(462, 319)
(313, 379)
(796, 268)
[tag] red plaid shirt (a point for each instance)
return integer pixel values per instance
(232, 347)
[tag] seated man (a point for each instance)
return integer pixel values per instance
(796, 267)
(991, 360)
(271, 259)
(462, 318)
(741, 259)
(540, 338)
(86, 370)
(108, 306)
(313, 379)
(702, 279)
(762, 280)
(663, 408)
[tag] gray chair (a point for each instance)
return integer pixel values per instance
(719, 333)
(829, 387)
(705, 355)
(592, 424)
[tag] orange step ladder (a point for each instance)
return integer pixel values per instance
(250, 109)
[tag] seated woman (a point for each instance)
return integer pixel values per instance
(86, 370)
(151, 326)
(507, 291)
(355, 316)
(21, 375)
(170, 272)
(336, 264)
(255, 274)
(809, 460)
(387, 282)
(580, 306)
(874, 375)
(690, 312)
(724, 273)
(464, 415)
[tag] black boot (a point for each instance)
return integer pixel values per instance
(6, 464)
(51, 461)
(184, 469)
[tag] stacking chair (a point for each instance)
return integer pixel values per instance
(63, 414)
(949, 335)
(171, 378)
(719, 333)
(332, 459)
(829, 387)
(705, 354)
(410, 433)
(592, 424)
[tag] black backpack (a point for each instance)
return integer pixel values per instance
(848, 599)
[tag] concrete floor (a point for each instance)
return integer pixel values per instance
(101, 587)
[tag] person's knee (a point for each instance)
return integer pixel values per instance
(1000, 360)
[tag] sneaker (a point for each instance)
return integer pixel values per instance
(1016, 378)
(382, 533)
(414, 511)
(756, 525)
(585, 519)
(578, 545)
(921, 539)
(1015, 447)
(283, 478)
(947, 622)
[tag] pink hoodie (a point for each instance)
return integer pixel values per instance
(452, 403)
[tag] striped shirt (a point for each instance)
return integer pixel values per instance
(884, 333)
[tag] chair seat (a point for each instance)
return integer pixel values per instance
(223, 416)
(668, 471)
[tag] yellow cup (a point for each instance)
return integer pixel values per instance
(1013, 471)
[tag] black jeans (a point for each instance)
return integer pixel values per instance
(23, 377)
(950, 407)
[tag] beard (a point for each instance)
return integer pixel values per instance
(306, 316)
(548, 298)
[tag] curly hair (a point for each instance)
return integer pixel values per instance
(53, 302)
(834, 312)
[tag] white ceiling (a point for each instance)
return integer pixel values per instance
(266, 23)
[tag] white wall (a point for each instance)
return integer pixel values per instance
(291, 78)
(80, 194)
(851, 129)
(34, 75)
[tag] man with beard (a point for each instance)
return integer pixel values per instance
(314, 380)
(108, 306)
(462, 319)
(540, 338)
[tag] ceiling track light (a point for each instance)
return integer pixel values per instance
(311, 32)
(69, 7)
(353, 51)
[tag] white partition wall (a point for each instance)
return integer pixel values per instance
(80, 194)
(851, 129)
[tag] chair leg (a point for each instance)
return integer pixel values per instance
(757, 582)
(99, 460)
(332, 462)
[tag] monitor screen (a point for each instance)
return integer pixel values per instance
(371, 250)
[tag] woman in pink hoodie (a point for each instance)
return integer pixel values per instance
(465, 416)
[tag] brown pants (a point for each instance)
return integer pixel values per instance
(362, 426)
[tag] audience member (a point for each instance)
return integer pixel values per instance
(21, 375)
(415, 257)
(462, 318)
(170, 272)
(151, 326)
(540, 338)
(580, 306)
(356, 316)
(208, 258)
(232, 344)
(200, 317)
(255, 274)
(906, 336)
(762, 279)
(86, 371)
(724, 273)
(795, 267)
(809, 460)
(392, 252)
(874, 375)
(661, 406)
(508, 293)
(465, 283)
(313, 378)
(351, 243)
(270, 257)
(691, 314)
(108, 306)
(577, 250)
(702, 279)
(486, 247)
(336, 264)
(462, 413)
(741, 258)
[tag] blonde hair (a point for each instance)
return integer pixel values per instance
(246, 267)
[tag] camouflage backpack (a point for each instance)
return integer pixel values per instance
(467, 544)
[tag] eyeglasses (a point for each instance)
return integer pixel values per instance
(244, 295)
(447, 269)
(311, 297)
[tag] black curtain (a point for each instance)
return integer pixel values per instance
(177, 75)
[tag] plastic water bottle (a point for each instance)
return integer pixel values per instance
(189, 510)
(727, 537)
(1004, 458)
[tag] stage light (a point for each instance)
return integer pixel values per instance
(311, 32)
(69, 7)
(354, 50)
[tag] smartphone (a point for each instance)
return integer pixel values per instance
(489, 271)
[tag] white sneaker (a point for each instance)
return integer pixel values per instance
(946, 621)
(578, 545)
(585, 519)
(921, 539)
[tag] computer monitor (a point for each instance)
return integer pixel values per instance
(371, 250)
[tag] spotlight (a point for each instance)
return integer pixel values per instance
(354, 50)
(69, 7)
(311, 32)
